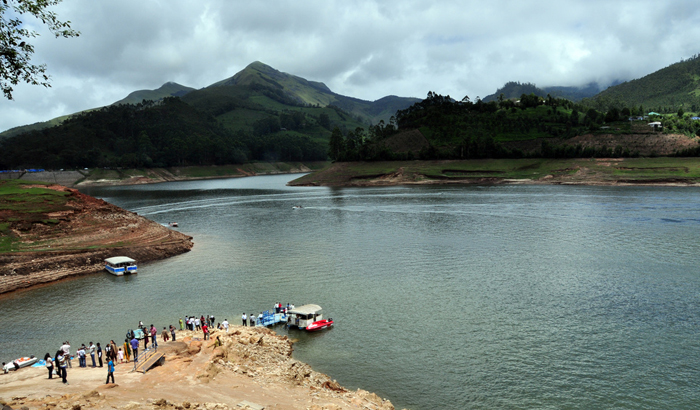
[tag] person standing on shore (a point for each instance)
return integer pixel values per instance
(135, 348)
(99, 353)
(108, 352)
(182, 326)
(110, 371)
(62, 365)
(91, 349)
(154, 336)
(225, 325)
(164, 334)
(244, 319)
(172, 332)
(205, 330)
(113, 349)
(66, 353)
(251, 319)
(49, 364)
(121, 355)
(127, 350)
(82, 362)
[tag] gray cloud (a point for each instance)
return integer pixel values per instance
(361, 48)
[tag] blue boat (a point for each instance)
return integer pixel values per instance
(119, 265)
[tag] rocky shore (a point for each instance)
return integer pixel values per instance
(252, 369)
(75, 238)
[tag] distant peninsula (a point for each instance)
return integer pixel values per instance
(51, 232)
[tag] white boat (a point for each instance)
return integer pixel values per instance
(296, 207)
(304, 316)
(21, 362)
(173, 224)
(119, 265)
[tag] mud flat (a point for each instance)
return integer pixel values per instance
(253, 369)
(50, 232)
(666, 171)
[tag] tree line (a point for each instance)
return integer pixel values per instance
(150, 134)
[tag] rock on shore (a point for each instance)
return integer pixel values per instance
(252, 368)
(82, 234)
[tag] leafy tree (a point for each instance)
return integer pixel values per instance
(336, 145)
(15, 51)
(324, 121)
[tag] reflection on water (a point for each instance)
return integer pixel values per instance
(443, 297)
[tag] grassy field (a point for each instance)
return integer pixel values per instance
(580, 171)
(22, 197)
(22, 202)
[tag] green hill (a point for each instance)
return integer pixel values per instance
(666, 90)
(32, 127)
(259, 114)
(168, 89)
(258, 80)
(514, 89)
(261, 93)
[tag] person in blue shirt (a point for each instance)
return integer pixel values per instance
(110, 370)
(135, 348)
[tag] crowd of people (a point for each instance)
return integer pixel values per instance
(144, 338)
(111, 354)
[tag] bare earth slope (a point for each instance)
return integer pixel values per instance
(253, 366)
(75, 238)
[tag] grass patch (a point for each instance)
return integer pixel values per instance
(18, 197)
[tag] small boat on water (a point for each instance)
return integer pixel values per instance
(119, 265)
(173, 224)
(320, 325)
(19, 363)
(305, 316)
(297, 207)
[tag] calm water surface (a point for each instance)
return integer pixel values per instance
(513, 297)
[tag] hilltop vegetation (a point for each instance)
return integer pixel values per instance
(440, 127)
(514, 89)
(665, 91)
(260, 114)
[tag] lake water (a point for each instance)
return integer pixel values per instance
(448, 297)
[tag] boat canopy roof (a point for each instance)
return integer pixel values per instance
(119, 259)
(305, 310)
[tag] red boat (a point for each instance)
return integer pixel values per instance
(320, 324)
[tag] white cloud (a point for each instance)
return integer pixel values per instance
(360, 48)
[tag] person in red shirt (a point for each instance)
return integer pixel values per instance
(205, 329)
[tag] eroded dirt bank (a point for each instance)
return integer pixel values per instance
(78, 238)
(596, 171)
(253, 367)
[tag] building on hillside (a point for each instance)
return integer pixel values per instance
(656, 125)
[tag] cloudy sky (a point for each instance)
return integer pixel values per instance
(360, 48)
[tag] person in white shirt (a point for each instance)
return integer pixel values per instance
(66, 353)
(225, 325)
(244, 319)
(91, 350)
